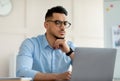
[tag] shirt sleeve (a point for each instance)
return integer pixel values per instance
(25, 60)
(72, 45)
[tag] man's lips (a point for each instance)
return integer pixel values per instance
(62, 33)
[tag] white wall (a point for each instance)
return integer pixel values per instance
(88, 23)
(11, 34)
(27, 17)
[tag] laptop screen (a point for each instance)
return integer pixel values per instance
(93, 64)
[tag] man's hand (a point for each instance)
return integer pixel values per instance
(61, 44)
(64, 76)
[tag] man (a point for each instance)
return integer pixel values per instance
(47, 56)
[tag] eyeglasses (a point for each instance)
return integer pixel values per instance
(59, 23)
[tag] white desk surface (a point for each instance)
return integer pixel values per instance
(14, 78)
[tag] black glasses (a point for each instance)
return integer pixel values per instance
(59, 23)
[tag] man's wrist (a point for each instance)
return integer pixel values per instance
(70, 52)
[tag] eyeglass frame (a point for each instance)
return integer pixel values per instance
(60, 23)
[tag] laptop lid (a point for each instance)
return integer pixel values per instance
(93, 64)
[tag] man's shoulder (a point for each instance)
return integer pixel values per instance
(34, 39)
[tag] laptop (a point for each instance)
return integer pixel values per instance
(93, 64)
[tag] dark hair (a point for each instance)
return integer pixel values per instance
(56, 9)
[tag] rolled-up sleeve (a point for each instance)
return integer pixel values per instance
(25, 60)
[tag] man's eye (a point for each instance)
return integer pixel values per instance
(57, 22)
(65, 23)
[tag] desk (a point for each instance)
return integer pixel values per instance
(116, 79)
(27, 79)
(14, 79)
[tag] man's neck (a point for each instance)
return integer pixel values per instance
(50, 39)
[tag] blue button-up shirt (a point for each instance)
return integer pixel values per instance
(36, 55)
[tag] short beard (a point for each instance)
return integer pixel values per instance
(59, 37)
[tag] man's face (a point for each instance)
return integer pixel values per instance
(54, 28)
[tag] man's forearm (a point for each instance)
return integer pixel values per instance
(45, 77)
(52, 76)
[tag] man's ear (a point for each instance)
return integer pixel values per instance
(45, 24)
